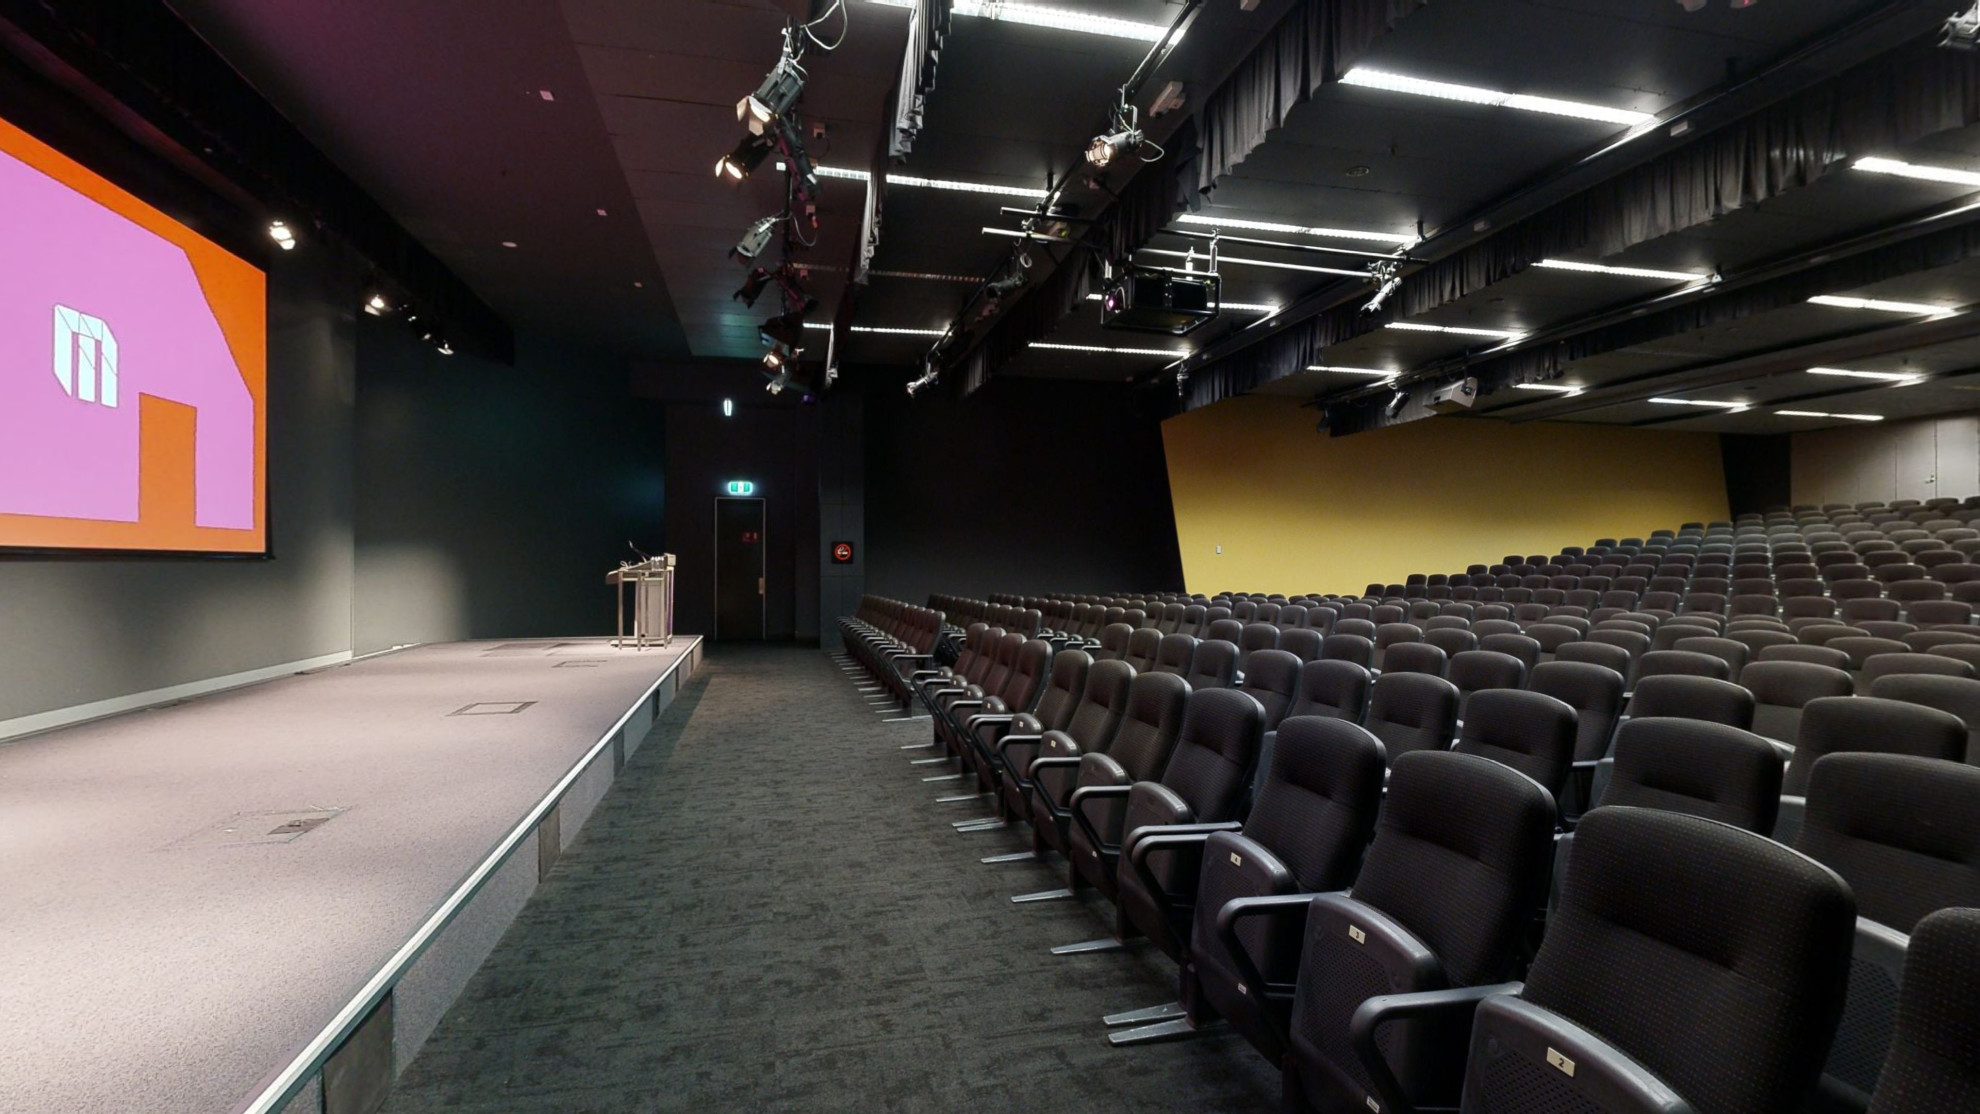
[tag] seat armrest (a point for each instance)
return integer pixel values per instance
(1602, 1075)
(1048, 762)
(1077, 806)
(1234, 914)
(986, 719)
(1787, 822)
(1452, 1004)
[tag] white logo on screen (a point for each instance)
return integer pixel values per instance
(85, 357)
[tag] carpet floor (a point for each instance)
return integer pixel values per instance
(768, 912)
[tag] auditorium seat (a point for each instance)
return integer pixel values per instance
(1452, 824)
(1451, 640)
(1934, 1060)
(1349, 647)
(1477, 670)
(1138, 748)
(1781, 689)
(1848, 724)
(1316, 808)
(1213, 665)
(1529, 731)
(1142, 647)
(1089, 726)
(1173, 654)
(1655, 1004)
(1596, 653)
(1689, 697)
(1053, 711)
(1415, 657)
(1814, 655)
(1595, 693)
(1959, 696)
(1904, 832)
(1682, 663)
(1413, 711)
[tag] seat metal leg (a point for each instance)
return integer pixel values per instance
(946, 777)
(955, 798)
(917, 746)
(1165, 1012)
(1167, 1030)
(926, 761)
(1108, 944)
(1013, 857)
(981, 824)
(1041, 895)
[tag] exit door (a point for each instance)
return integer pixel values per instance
(739, 585)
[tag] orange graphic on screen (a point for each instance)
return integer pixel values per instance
(133, 370)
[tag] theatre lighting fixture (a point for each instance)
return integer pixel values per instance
(752, 287)
(757, 238)
(1240, 307)
(1876, 165)
(1396, 402)
(1842, 302)
(1460, 330)
(1104, 349)
(1728, 407)
(1058, 19)
(1962, 31)
(783, 335)
(741, 162)
(1557, 388)
(1122, 138)
(1004, 287)
(1885, 376)
(931, 372)
(1622, 272)
(377, 305)
(804, 175)
(780, 90)
(1820, 414)
(1236, 260)
(282, 234)
(1295, 229)
(444, 348)
(1385, 275)
(1443, 90)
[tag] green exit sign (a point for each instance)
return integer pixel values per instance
(741, 487)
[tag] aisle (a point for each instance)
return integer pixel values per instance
(770, 913)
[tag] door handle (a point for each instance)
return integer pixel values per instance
(759, 585)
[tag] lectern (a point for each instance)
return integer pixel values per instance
(652, 583)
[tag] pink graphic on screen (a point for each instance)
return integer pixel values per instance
(95, 310)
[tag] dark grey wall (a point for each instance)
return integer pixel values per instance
(774, 445)
(841, 506)
(1029, 486)
(79, 630)
(1759, 471)
(491, 500)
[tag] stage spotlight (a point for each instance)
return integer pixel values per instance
(1104, 148)
(1396, 402)
(445, 348)
(757, 238)
(1006, 286)
(780, 90)
(803, 171)
(741, 162)
(280, 232)
(779, 376)
(752, 287)
(377, 305)
(785, 330)
(1962, 31)
(1386, 274)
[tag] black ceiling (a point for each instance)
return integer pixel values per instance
(438, 109)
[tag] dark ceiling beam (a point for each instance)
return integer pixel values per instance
(201, 115)
(1889, 26)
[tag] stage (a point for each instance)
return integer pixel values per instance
(231, 903)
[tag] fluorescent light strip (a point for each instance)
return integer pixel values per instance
(1029, 193)
(1241, 307)
(1471, 94)
(1242, 262)
(1056, 18)
(1729, 407)
(1819, 414)
(1294, 229)
(1624, 272)
(1354, 370)
(883, 330)
(1885, 376)
(1116, 351)
(1413, 327)
(1841, 302)
(1913, 170)
(1556, 388)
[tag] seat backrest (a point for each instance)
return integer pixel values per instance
(1475, 670)
(1338, 689)
(1664, 916)
(1451, 640)
(1149, 724)
(1141, 648)
(1458, 859)
(1529, 731)
(1031, 672)
(1174, 653)
(1062, 693)
(1255, 636)
(1903, 831)
(1213, 665)
(1697, 768)
(1301, 642)
(1211, 765)
(1813, 655)
(1102, 703)
(1595, 692)
(1682, 663)
(1782, 688)
(1193, 620)
(1596, 653)
(1114, 639)
(1957, 695)
(1734, 652)
(1316, 804)
(1003, 661)
(1934, 1060)
(1413, 711)
(1838, 724)
(1271, 677)
(1893, 664)
(1520, 646)
(1706, 698)
(1415, 657)
(1348, 647)
(1226, 630)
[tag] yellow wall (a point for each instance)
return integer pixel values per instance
(1299, 511)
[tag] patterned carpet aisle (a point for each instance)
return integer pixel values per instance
(770, 913)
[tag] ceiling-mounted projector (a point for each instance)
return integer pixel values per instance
(1453, 398)
(1152, 300)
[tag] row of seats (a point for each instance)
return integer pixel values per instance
(1135, 773)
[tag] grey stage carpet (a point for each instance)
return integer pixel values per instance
(769, 913)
